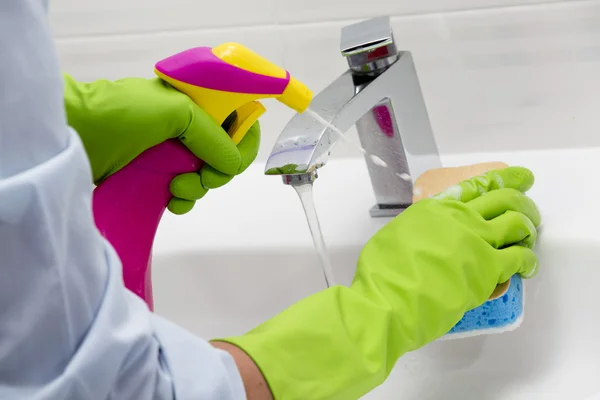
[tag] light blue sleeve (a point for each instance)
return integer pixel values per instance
(68, 327)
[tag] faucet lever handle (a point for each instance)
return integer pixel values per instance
(369, 45)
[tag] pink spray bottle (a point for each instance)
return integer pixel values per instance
(225, 81)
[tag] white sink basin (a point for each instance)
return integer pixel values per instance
(245, 253)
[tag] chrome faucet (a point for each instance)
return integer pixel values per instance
(381, 95)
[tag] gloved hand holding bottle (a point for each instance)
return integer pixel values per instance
(142, 169)
(414, 281)
(118, 120)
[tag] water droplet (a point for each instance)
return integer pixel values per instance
(404, 176)
(378, 161)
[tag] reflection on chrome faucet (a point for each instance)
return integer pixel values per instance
(381, 95)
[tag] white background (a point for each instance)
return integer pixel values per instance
(496, 74)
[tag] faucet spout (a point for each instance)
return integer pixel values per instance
(380, 94)
(305, 143)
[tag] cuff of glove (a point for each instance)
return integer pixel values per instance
(331, 345)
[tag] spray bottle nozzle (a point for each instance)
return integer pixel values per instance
(296, 95)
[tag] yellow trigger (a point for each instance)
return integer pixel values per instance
(247, 115)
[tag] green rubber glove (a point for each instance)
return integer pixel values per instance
(415, 279)
(118, 120)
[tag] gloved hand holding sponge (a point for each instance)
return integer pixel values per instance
(414, 280)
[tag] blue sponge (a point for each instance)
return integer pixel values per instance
(494, 316)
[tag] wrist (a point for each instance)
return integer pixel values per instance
(255, 385)
(84, 114)
(73, 98)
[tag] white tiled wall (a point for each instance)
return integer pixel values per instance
(496, 74)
